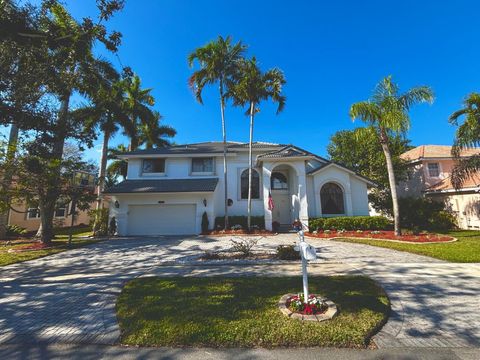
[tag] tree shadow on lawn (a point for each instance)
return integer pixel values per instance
(243, 312)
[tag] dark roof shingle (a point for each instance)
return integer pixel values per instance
(164, 186)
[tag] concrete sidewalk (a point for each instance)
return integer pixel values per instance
(87, 352)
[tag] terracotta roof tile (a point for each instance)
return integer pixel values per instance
(434, 151)
(446, 184)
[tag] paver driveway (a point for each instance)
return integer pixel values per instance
(70, 297)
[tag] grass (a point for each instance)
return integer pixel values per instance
(60, 244)
(243, 312)
(465, 250)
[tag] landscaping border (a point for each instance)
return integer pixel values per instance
(386, 240)
(327, 315)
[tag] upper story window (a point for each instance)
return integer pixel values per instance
(433, 169)
(278, 181)
(255, 185)
(331, 198)
(153, 166)
(202, 165)
(61, 212)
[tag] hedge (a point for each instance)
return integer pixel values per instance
(240, 220)
(350, 223)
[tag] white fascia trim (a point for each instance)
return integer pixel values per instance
(449, 191)
(351, 172)
(162, 156)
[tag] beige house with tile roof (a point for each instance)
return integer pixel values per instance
(430, 175)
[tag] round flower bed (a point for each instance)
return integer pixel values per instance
(382, 235)
(33, 247)
(315, 309)
(314, 305)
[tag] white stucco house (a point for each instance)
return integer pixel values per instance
(167, 190)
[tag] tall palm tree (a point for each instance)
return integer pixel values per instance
(250, 87)
(153, 133)
(467, 136)
(138, 102)
(387, 112)
(218, 62)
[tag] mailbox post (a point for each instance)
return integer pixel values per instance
(307, 253)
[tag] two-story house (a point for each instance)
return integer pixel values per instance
(429, 175)
(167, 190)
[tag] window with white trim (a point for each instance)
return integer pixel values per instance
(33, 213)
(61, 212)
(202, 165)
(153, 166)
(244, 185)
(433, 169)
(331, 198)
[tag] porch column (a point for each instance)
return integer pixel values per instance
(302, 195)
(266, 173)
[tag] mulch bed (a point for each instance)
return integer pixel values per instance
(237, 256)
(34, 247)
(383, 235)
(239, 232)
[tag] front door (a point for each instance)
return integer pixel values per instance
(282, 211)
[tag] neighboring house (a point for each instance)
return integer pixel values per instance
(167, 190)
(429, 175)
(28, 217)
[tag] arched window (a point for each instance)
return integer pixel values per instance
(331, 196)
(255, 185)
(278, 181)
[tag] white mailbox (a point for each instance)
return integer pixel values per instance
(309, 252)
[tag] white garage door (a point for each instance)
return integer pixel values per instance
(161, 219)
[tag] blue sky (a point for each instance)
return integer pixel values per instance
(332, 54)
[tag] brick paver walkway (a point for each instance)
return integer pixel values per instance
(70, 297)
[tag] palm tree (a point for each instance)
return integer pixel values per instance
(138, 104)
(387, 112)
(467, 136)
(153, 133)
(118, 167)
(218, 62)
(250, 88)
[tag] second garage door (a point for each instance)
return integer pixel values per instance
(161, 219)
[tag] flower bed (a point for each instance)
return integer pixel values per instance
(239, 232)
(382, 235)
(314, 305)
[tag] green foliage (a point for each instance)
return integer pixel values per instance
(256, 221)
(418, 213)
(466, 136)
(205, 222)
(99, 219)
(15, 230)
(287, 252)
(243, 312)
(350, 223)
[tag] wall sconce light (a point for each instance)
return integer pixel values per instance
(229, 202)
(205, 202)
(117, 204)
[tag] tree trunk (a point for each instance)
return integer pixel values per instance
(391, 181)
(250, 165)
(48, 201)
(101, 178)
(224, 134)
(11, 151)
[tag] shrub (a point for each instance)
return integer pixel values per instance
(15, 230)
(244, 245)
(425, 214)
(258, 221)
(350, 223)
(205, 222)
(100, 227)
(287, 252)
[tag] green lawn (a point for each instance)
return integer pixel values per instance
(243, 312)
(466, 249)
(61, 239)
